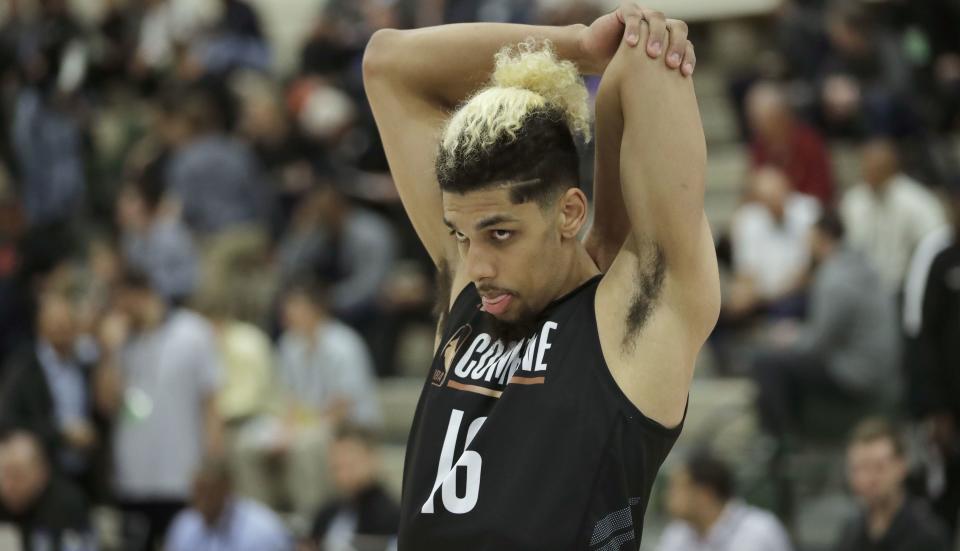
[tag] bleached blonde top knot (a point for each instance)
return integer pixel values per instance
(527, 77)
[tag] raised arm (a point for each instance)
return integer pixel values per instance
(414, 78)
(662, 170)
(611, 224)
(652, 142)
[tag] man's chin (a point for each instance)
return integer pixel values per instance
(514, 328)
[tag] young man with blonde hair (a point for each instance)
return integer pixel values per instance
(562, 367)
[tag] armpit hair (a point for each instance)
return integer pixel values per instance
(441, 305)
(650, 272)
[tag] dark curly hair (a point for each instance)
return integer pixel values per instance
(538, 164)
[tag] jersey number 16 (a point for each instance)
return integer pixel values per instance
(447, 470)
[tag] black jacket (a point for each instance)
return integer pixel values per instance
(61, 513)
(377, 514)
(914, 528)
(939, 346)
(26, 403)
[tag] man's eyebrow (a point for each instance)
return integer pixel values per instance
(494, 220)
(485, 222)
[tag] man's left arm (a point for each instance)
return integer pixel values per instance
(662, 160)
(611, 223)
(660, 299)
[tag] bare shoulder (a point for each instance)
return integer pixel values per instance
(652, 324)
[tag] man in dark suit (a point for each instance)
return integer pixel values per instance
(46, 391)
(889, 519)
(364, 517)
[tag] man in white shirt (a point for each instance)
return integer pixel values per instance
(888, 213)
(158, 380)
(324, 377)
(708, 518)
(769, 240)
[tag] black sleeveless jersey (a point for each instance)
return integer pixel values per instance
(527, 445)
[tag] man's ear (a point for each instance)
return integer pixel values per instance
(572, 213)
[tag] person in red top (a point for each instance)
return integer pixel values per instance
(779, 138)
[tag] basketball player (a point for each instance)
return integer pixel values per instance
(562, 366)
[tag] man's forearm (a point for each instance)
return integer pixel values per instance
(610, 221)
(447, 63)
(662, 155)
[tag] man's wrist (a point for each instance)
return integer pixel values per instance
(582, 58)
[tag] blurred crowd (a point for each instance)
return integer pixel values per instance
(205, 272)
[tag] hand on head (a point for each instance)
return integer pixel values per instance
(666, 36)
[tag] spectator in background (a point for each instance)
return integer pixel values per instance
(43, 263)
(846, 350)
(938, 367)
(154, 240)
(281, 149)
(223, 196)
(166, 29)
(939, 21)
(47, 392)
(770, 252)
(708, 517)
(888, 213)
(11, 229)
(46, 130)
(363, 516)
(889, 519)
(324, 366)
(158, 380)
(235, 42)
(324, 377)
(38, 510)
(215, 178)
(219, 519)
(865, 77)
(350, 248)
(781, 139)
(247, 357)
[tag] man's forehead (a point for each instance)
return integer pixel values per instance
(872, 449)
(477, 206)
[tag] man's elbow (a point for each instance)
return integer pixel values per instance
(378, 56)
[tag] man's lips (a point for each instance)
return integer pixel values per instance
(496, 304)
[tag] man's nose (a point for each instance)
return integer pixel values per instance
(480, 264)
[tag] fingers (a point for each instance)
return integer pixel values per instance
(689, 60)
(630, 15)
(677, 31)
(658, 32)
(666, 36)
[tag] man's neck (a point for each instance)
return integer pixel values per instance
(63, 353)
(708, 519)
(881, 516)
(583, 268)
(881, 188)
(155, 313)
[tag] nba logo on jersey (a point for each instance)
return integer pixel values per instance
(487, 365)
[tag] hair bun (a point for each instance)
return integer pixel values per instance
(532, 65)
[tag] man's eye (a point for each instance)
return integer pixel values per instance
(501, 235)
(461, 238)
